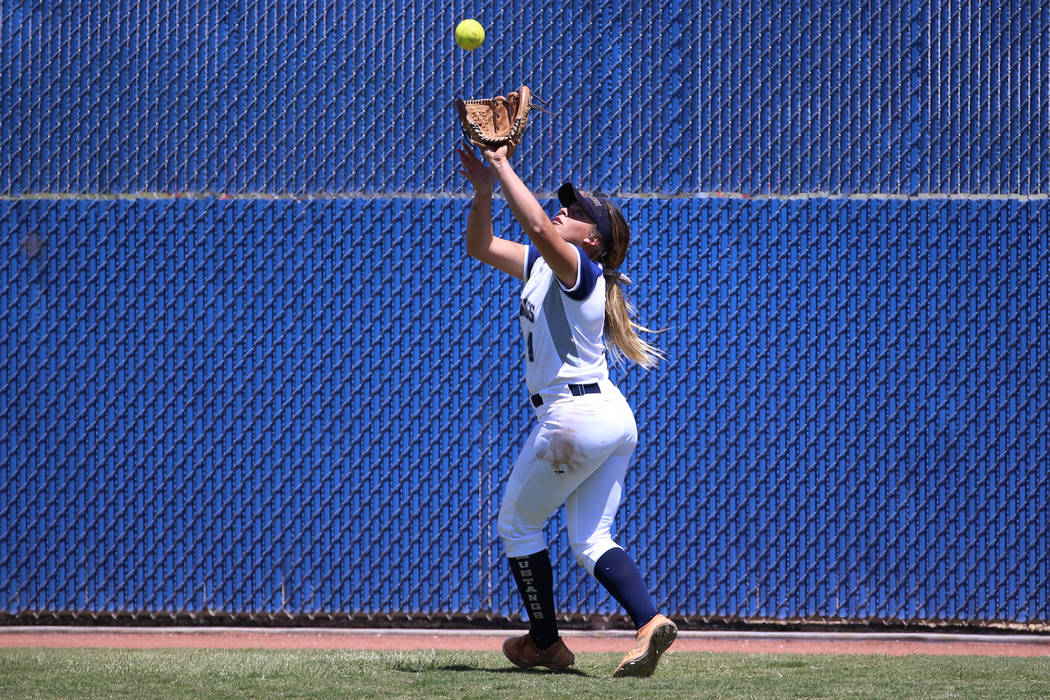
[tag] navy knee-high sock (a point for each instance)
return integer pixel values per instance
(535, 578)
(620, 576)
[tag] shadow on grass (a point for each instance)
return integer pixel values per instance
(514, 669)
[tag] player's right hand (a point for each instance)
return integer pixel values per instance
(479, 174)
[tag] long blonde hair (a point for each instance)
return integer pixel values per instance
(621, 331)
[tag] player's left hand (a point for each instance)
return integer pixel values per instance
(495, 155)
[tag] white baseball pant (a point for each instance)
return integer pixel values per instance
(577, 454)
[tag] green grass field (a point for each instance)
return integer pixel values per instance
(209, 673)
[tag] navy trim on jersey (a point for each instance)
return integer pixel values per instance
(589, 272)
(531, 256)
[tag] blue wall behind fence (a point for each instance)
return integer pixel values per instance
(304, 397)
(263, 406)
(312, 96)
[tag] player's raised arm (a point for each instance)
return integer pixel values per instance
(560, 254)
(504, 255)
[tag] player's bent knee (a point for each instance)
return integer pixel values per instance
(519, 540)
(588, 552)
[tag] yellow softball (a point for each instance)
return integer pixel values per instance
(470, 34)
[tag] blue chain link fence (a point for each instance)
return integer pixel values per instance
(248, 373)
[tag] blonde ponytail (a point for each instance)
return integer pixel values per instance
(621, 332)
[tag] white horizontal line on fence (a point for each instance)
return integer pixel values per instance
(265, 196)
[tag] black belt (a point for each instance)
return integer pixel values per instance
(574, 389)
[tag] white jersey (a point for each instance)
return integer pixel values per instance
(563, 328)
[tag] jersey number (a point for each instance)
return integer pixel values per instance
(528, 344)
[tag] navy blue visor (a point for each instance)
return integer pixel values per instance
(594, 207)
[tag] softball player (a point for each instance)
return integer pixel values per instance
(585, 432)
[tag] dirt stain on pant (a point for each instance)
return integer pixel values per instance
(562, 451)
